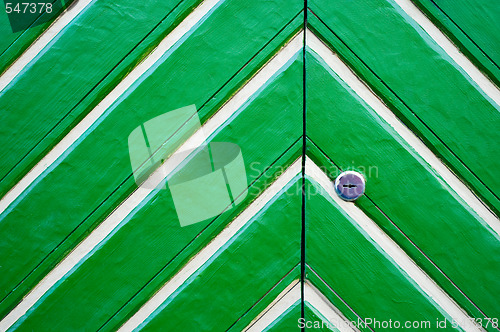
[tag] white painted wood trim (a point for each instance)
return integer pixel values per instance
(288, 297)
(482, 81)
(42, 41)
(333, 315)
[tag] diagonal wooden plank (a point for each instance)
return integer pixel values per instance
(472, 27)
(251, 249)
(484, 83)
(287, 321)
(260, 306)
(291, 296)
(326, 310)
(13, 44)
(287, 299)
(53, 90)
(41, 43)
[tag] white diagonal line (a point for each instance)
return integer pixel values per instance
(204, 255)
(165, 45)
(390, 247)
(43, 40)
(333, 316)
(290, 296)
(385, 113)
(442, 40)
(115, 218)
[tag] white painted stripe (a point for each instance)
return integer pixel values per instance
(442, 40)
(290, 296)
(279, 306)
(391, 248)
(140, 194)
(206, 253)
(314, 297)
(385, 113)
(43, 40)
(166, 44)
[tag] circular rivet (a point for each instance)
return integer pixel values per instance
(350, 185)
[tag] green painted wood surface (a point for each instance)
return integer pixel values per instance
(427, 81)
(88, 58)
(388, 225)
(286, 321)
(131, 242)
(263, 303)
(311, 314)
(333, 107)
(217, 282)
(61, 215)
(362, 275)
(13, 44)
(334, 298)
(479, 20)
(404, 113)
(473, 26)
(262, 254)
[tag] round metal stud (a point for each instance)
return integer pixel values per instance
(350, 185)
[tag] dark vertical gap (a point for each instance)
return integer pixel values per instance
(304, 142)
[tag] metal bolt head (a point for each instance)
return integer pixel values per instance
(350, 185)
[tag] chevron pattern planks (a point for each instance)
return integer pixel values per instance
(404, 92)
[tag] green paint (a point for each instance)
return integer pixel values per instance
(287, 321)
(358, 270)
(263, 303)
(333, 297)
(423, 206)
(73, 73)
(13, 44)
(52, 210)
(418, 72)
(472, 26)
(374, 213)
(480, 20)
(319, 322)
(388, 51)
(154, 235)
(250, 264)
